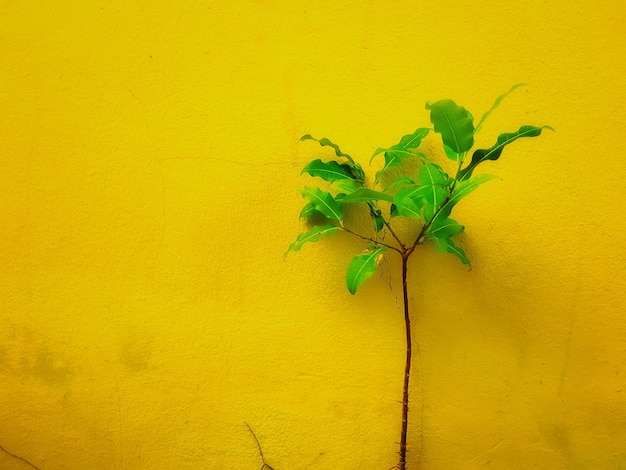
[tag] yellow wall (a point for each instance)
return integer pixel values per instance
(149, 165)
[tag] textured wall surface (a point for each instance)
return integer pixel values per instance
(149, 163)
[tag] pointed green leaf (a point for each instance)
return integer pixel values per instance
(444, 228)
(377, 217)
(339, 197)
(431, 173)
(494, 152)
(357, 172)
(356, 169)
(432, 183)
(363, 266)
(393, 210)
(417, 192)
(344, 185)
(495, 105)
(435, 179)
(454, 123)
(451, 154)
(312, 235)
(427, 196)
(412, 141)
(462, 189)
(323, 202)
(397, 153)
(446, 245)
(467, 186)
(329, 171)
(401, 154)
(396, 157)
(399, 181)
(308, 211)
(324, 142)
(407, 142)
(366, 195)
(392, 159)
(406, 207)
(429, 211)
(419, 201)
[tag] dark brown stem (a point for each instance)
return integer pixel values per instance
(388, 225)
(407, 366)
(393, 234)
(371, 240)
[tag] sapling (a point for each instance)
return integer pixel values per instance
(410, 185)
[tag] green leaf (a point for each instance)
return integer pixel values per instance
(356, 169)
(416, 193)
(466, 187)
(454, 123)
(377, 217)
(446, 245)
(344, 185)
(431, 179)
(496, 104)
(451, 154)
(363, 266)
(358, 173)
(410, 202)
(329, 171)
(406, 206)
(339, 197)
(392, 159)
(324, 142)
(494, 152)
(366, 195)
(397, 153)
(398, 181)
(435, 179)
(412, 141)
(462, 189)
(444, 228)
(407, 142)
(312, 235)
(426, 196)
(323, 202)
(308, 211)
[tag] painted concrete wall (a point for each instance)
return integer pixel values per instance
(148, 174)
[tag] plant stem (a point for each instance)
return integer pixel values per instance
(388, 225)
(371, 240)
(407, 367)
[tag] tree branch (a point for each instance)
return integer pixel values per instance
(388, 225)
(371, 240)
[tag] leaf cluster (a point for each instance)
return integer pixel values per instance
(426, 194)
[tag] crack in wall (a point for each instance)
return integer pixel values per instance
(19, 458)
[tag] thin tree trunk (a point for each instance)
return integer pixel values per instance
(407, 367)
